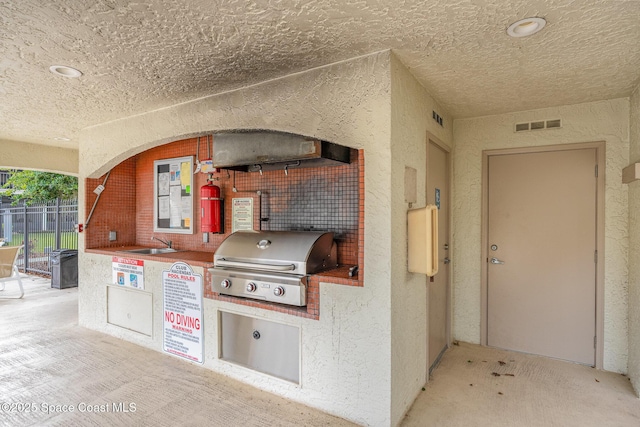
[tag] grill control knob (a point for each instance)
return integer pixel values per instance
(226, 283)
(278, 291)
(251, 287)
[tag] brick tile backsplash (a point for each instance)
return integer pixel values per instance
(307, 199)
(115, 210)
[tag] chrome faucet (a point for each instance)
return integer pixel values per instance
(168, 243)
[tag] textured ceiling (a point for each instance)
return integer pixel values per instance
(139, 56)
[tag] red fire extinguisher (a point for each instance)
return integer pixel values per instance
(211, 209)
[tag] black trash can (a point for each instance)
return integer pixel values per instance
(64, 268)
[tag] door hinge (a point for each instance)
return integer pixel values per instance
(595, 341)
(595, 256)
(596, 171)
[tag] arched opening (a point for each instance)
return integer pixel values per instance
(285, 198)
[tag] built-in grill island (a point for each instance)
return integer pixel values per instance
(271, 265)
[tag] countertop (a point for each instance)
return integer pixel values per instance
(338, 275)
(201, 259)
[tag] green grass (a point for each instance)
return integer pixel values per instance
(47, 239)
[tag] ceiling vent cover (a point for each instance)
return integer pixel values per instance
(538, 125)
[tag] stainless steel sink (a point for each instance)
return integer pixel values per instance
(151, 251)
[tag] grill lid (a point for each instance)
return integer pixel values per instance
(288, 252)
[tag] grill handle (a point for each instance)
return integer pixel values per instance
(254, 265)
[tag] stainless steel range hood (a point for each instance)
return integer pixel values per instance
(256, 150)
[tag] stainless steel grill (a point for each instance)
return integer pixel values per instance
(271, 265)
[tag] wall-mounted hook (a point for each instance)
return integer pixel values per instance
(286, 167)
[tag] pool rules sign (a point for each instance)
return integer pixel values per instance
(182, 296)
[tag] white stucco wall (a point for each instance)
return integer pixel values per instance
(23, 155)
(596, 121)
(411, 118)
(346, 355)
(634, 245)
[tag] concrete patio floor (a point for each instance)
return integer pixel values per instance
(47, 359)
(485, 387)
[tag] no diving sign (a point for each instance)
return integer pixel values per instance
(182, 315)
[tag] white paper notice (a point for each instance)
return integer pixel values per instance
(242, 214)
(182, 318)
(175, 207)
(163, 207)
(186, 211)
(163, 184)
(174, 170)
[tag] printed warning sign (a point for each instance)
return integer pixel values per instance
(128, 272)
(242, 214)
(182, 296)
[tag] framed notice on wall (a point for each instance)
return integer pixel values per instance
(242, 214)
(173, 195)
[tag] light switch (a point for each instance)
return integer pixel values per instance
(112, 236)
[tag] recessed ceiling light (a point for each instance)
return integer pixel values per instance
(526, 27)
(64, 71)
(62, 138)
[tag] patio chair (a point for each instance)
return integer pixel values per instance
(9, 269)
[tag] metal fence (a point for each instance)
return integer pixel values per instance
(4, 176)
(41, 228)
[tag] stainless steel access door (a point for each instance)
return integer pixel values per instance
(268, 347)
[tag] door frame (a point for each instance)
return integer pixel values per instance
(431, 138)
(600, 147)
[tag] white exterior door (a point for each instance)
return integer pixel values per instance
(541, 254)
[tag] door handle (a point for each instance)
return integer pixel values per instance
(495, 260)
(447, 260)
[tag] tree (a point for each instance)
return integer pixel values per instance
(35, 186)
